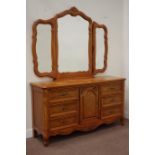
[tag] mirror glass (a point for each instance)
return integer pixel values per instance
(100, 49)
(73, 36)
(43, 47)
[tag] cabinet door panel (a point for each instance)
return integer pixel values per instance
(89, 103)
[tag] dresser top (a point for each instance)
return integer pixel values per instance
(69, 82)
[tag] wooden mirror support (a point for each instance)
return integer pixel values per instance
(55, 74)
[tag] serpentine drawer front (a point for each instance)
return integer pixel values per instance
(63, 121)
(61, 107)
(110, 88)
(110, 111)
(54, 94)
(112, 100)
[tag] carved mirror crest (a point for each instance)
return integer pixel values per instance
(69, 45)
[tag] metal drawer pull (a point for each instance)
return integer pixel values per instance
(63, 108)
(111, 112)
(62, 121)
(63, 94)
(112, 88)
(112, 100)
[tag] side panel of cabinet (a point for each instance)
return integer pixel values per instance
(37, 109)
(89, 105)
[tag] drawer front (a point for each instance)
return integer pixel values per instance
(109, 88)
(110, 111)
(67, 106)
(65, 120)
(55, 94)
(111, 100)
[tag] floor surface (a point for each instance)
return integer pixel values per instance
(106, 140)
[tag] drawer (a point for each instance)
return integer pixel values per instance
(60, 107)
(111, 100)
(64, 120)
(109, 88)
(55, 94)
(110, 111)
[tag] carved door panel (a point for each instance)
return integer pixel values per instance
(89, 106)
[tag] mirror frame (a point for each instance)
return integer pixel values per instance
(75, 12)
(34, 52)
(102, 26)
(55, 74)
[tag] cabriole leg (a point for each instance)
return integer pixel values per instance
(45, 140)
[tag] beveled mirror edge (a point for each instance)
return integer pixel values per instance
(95, 26)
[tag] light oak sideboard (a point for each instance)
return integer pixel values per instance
(61, 107)
(71, 48)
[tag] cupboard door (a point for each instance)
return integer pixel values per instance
(89, 106)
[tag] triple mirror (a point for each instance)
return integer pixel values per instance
(69, 45)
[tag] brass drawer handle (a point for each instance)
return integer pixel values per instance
(114, 111)
(94, 88)
(63, 108)
(112, 88)
(63, 94)
(62, 121)
(112, 100)
(111, 112)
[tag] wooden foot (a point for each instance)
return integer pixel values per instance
(45, 141)
(35, 134)
(122, 121)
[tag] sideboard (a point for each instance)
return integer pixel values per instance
(63, 106)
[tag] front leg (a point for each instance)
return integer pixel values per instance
(45, 140)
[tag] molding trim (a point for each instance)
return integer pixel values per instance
(28, 133)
